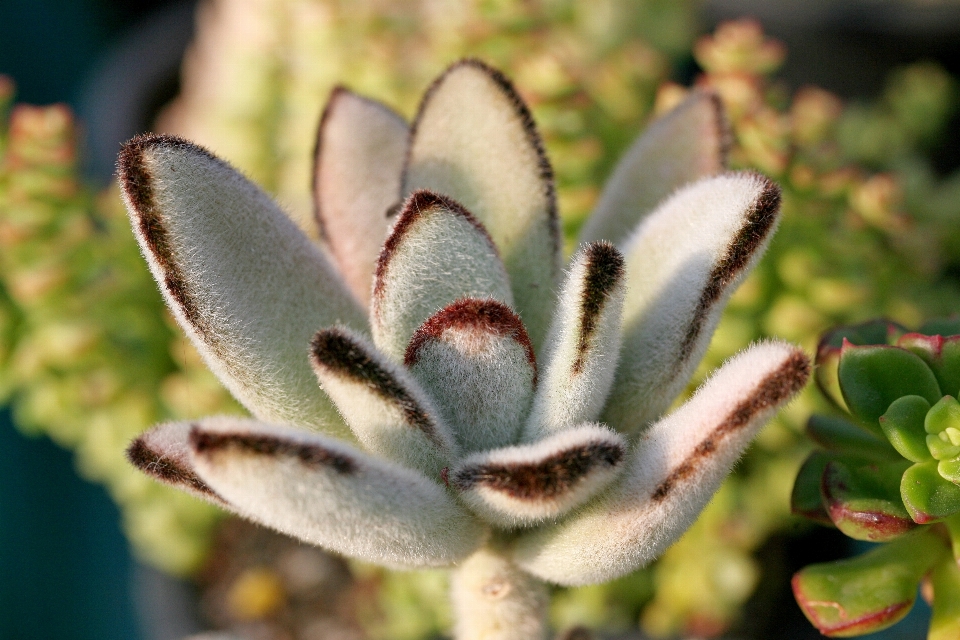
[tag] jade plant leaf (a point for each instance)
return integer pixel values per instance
(903, 426)
(927, 495)
(941, 354)
(942, 424)
(805, 499)
(839, 435)
(867, 593)
(872, 377)
(941, 326)
(828, 352)
(863, 501)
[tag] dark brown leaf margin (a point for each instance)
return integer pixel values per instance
(168, 469)
(335, 350)
(522, 112)
(789, 378)
(603, 272)
(207, 443)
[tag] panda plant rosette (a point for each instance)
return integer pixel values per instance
(492, 412)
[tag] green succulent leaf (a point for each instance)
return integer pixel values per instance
(941, 354)
(942, 424)
(927, 495)
(863, 501)
(842, 436)
(872, 332)
(950, 470)
(867, 593)
(805, 499)
(952, 523)
(872, 377)
(903, 426)
(945, 624)
(941, 326)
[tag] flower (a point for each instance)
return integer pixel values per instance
(491, 411)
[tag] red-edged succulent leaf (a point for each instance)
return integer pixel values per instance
(945, 623)
(867, 593)
(863, 501)
(841, 436)
(927, 495)
(941, 354)
(872, 377)
(805, 499)
(903, 426)
(828, 352)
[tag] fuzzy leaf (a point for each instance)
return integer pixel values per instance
(682, 146)
(584, 343)
(386, 409)
(675, 469)
(359, 155)
(526, 484)
(805, 499)
(474, 140)
(436, 253)
(864, 500)
(927, 495)
(329, 494)
(475, 359)
(867, 593)
(245, 284)
(902, 424)
(945, 623)
(163, 453)
(872, 377)
(683, 263)
(841, 436)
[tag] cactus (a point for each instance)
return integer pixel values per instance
(490, 413)
(885, 473)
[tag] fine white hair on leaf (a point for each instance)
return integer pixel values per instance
(163, 453)
(675, 469)
(327, 493)
(476, 361)
(473, 139)
(242, 280)
(360, 150)
(383, 404)
(686, 144)
(435, 254)
(683, 263)
(527, 484)
(584, 344)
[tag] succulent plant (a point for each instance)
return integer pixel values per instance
(886, 473)
(472, 456)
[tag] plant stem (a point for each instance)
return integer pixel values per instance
(495, 600)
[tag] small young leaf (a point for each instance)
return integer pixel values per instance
(839, 435)
(864, 500)
(867, 593)
(950, 470)
(942, 423)
(805, 499)
(927, 495)
(903, 426)
(872, 377)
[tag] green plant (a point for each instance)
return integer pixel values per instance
(886, 473)
(471, 455)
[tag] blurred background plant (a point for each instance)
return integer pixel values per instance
(89, 357)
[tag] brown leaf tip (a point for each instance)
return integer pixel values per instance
(788, 379)
(544, 479)
(334, 350)
(723, 128)
(420, 202)
(486, 316)
(759, 222)
(603, 273)
(165, 468)
(312, 455)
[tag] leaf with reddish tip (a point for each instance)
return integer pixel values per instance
(945, 623)
(360, 149)
(476, 361)
(872, 377)
(828, 352)
(903, 426)
(864, 500)
(682, 146)
(437, 253)
(941, 354)
(841, 436)
(805, 499)
(474, 140)
(867, 593)
(927, 495)
(527, 484)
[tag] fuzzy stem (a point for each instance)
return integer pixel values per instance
(495, 600)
